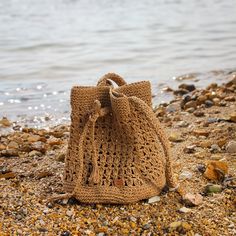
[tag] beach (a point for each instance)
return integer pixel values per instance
(201, 127)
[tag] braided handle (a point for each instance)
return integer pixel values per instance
(104, 81)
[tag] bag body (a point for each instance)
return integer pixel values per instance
(117, 151)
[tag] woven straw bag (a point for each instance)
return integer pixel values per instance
(117, 152)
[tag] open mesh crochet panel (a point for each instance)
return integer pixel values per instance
(131, 152)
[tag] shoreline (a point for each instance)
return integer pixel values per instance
(201, 127)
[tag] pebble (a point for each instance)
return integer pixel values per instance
(180, 92)
(154, 199)
(213, 188)
(8, 175)
(184, 210)
(215, 148)
(201, 168)
(192, 199)
(231, 147)
(175, 137)
(33, 138)
(190, 149)
(182, 124)
(35, 153)
(198, 113)
(190, 104)
(101, 234)
(173, 107)
(5, 122)
(209, 103)
(216, 170)
(43, 174)
(233, 117)
(185, 175)
(134, 219)
(65, 233)
(146, 226)
(201, 132)
(13, 145)
(189, 87)
(179, 226)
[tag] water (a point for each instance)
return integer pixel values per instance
(48, 46)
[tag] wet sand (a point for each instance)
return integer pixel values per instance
(201, 126)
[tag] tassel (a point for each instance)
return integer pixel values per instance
(94, 177)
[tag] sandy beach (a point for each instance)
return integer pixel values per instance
(201, 127)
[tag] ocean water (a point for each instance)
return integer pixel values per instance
(48, 46)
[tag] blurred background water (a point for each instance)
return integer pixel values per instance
(47, 46)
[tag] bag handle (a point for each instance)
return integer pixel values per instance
(104, 81)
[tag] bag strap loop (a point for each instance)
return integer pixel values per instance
(105, 80)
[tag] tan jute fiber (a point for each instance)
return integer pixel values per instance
(117, 151)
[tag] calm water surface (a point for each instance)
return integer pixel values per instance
(47, 46)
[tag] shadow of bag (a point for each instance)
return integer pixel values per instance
(117, 151)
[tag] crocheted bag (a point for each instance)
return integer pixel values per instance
(117, 152)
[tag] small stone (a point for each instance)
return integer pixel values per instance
(154, 199)
(160, 111)
(43, 174)
(201, 168)
(146, 226)
(13, 145)
(101, 234)
(185, 175)
(173, 107)
(182, 124)
(185, 99)
(175, 224)
(233, 117)
(209, 103)
(198, 113)
(205, 143)
(231, 147)
(33, 138)
(184, 210)
(8, 175)
(189, 87)
(215, 148)
(190, 110)
(192, 199)
(5, 122)
(9, 153)
(213, 188)
(201, 132)
(190, 149)
(216, 170)
(190, 104)
(65, 233)
(132, 218)
(180, 92)
(222, 103)
(201, 99)
(39, 146)
(216, 101)
(230, 99)
(54, 141)
(212, 120)
(2, 147)
(175, 137)
(35, 153)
